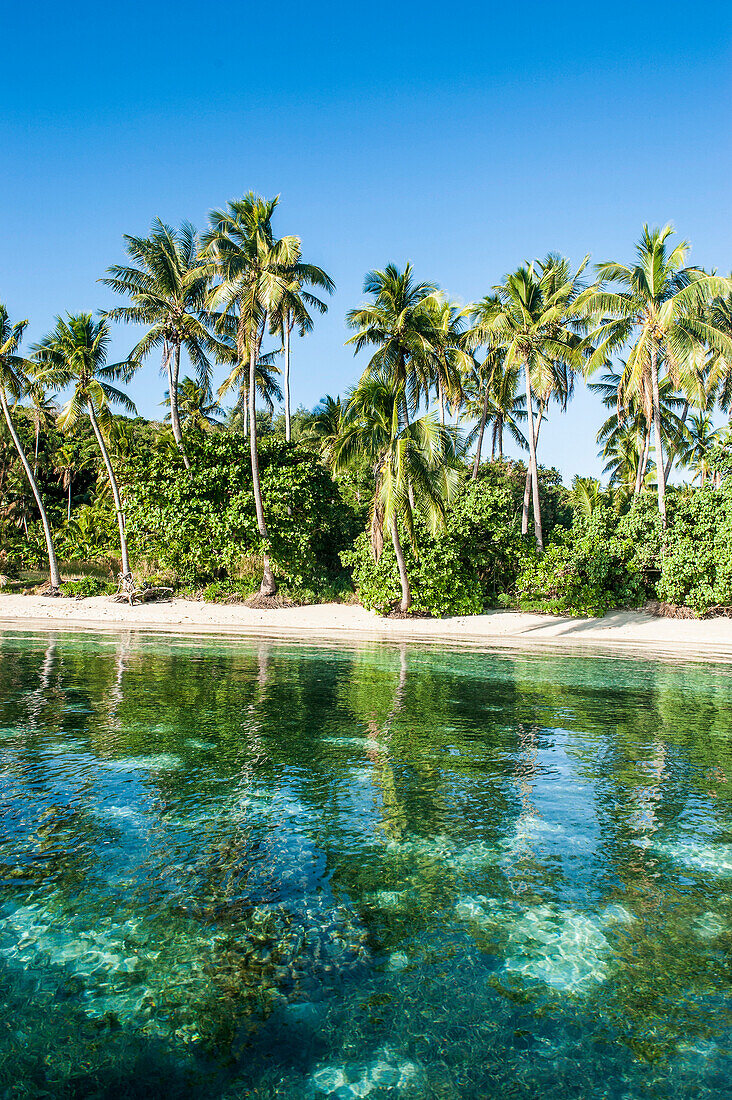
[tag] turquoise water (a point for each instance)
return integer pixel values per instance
(234, 869)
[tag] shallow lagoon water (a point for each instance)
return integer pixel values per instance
(254, 869)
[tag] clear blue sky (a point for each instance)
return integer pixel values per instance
(465, 138)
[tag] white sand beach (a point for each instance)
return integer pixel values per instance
(693, 639)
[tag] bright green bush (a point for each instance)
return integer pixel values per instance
(696, 566)
(200, 525)
(89, 586)
(586, 570)
(461, 570)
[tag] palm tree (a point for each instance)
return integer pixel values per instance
(168, 288)
(586, 496)
(42, 413)
(325, 424)
(701, 437)
(492, 401)
(535, 315)
(627, 460)
(196, 405)
(411, 461)
(660, 306)
(75, 354)
(447, 356)
(15, 382)
(633, 414)
(292, 311)
(253, 270)
(266, 373)
(399, 324)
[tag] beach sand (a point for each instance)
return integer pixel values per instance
(693, 639)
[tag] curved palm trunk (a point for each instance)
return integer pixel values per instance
(54, 574)
(534, 470)
(68, 501)
(288, 423)
(404, 579)
(660, 472)
(268, 586)
(479, 445)
(126, 571)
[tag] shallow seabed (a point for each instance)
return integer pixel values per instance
(277, 870)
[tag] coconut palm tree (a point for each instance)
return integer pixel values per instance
(492, 401)
(633, 412)
(535, 314)
(253, 271)
(701, 437)
(325, 424)
(627, 461)
(42, 413)
(74, 354)
(661, 307)
(196, 406)
(295, 311)
(399, 324)
(415, 464)
(447, 357)
(168, 287)
(16, 380)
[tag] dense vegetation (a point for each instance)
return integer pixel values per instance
(385, 492)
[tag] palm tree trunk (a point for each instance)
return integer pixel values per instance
(671, 455)
(268, 586)
(441, 399)
(173, 376)
(534, 469)
(500, 437)
(35, 452)
(55, 576)
(479, 446)
(68, 502)
(404, 579)
(288, 426)
(642, 462)
(660, 472)
(529, 479)
(126, 571)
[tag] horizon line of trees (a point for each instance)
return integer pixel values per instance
(658, 330)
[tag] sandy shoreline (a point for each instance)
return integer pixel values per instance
(693, 639)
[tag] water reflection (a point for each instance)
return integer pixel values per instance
(277, 870)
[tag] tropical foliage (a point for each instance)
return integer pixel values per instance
(401, 488)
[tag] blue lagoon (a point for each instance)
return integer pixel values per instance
(268, 869)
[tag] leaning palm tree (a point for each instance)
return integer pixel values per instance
(196, 405)
(534, 315)
(75, 355)
(295, 311)
(399, 324)
(661, 307)
(168, 287)
(16, 381)
(411, 462)
(253, 271)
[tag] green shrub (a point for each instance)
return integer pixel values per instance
(696, 567)
(461, 570)
(200, 525)
(89, 586)
(586, 570)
